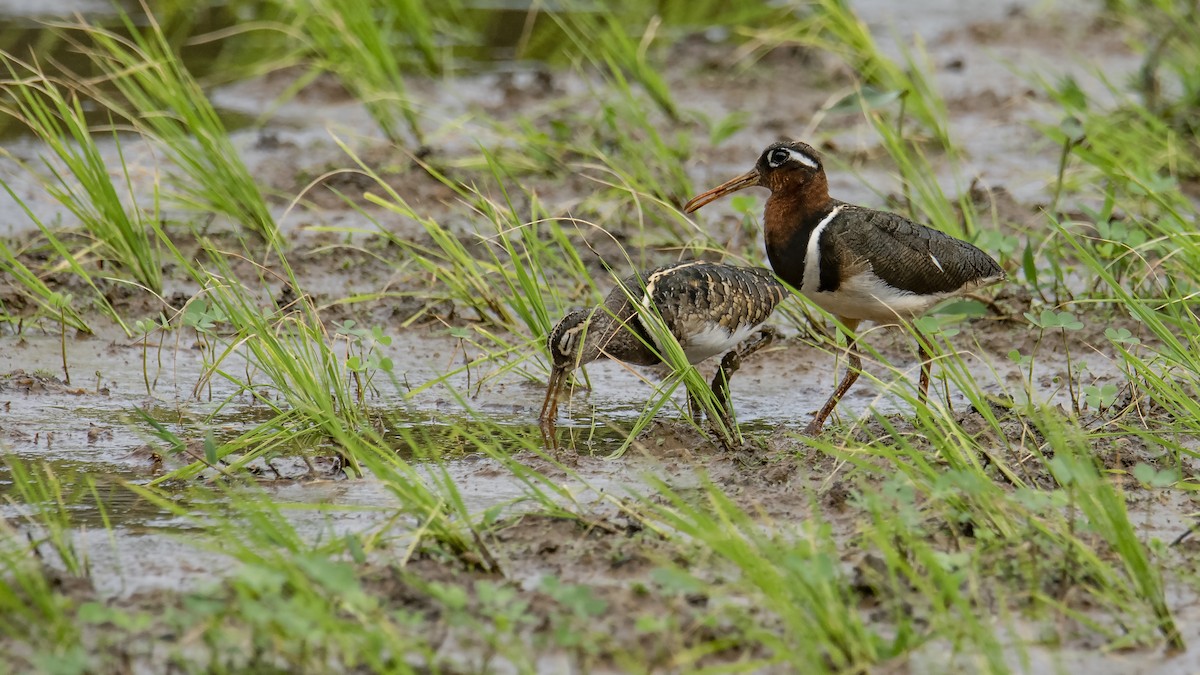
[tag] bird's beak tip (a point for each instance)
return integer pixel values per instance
(748, 179)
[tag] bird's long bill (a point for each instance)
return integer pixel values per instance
(550, 406)
(748, 179)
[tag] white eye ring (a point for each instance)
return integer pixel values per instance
(780, 156)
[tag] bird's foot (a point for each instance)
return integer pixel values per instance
(725, 434)
(814, 428)
(549, 436)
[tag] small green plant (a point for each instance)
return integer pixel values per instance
(364, 357)
(145, 328)
(1064, 322)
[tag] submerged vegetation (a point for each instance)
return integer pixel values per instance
(1011, 517)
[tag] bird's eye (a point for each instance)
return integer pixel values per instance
(778, 157)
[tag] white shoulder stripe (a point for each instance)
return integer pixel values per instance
(652, 280)
(812, 254)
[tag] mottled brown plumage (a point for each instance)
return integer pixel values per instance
(710, 308)
(856, 263)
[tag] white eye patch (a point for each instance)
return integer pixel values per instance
(570, 338)
(780, 156)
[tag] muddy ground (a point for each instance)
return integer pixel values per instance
(980, 58)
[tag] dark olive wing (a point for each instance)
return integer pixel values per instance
(907, 255)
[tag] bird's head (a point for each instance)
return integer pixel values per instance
(784, 167)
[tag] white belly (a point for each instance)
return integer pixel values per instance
(867, 297)
(713, 339)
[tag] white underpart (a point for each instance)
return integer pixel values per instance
(864, 296)
(714, 339)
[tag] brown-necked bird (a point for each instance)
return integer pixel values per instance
(856, 263)
(710, 308)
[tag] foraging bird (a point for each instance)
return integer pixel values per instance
(856, 263)
(708, 307)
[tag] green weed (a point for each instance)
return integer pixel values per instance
(55, 115)
(163, 101)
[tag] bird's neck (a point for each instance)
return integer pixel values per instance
(789, 220)
(606, 333)
(600, 330)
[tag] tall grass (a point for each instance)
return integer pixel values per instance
(55, 115)
(305, 383)
(146, 84)
(358, 42)
(513, 275)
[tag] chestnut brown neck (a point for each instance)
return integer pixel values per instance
(793, 211)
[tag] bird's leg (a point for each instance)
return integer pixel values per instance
(695, 410)
(926, 367)
(852, 371)
(730, 364)
(720, 389)
(733, 361)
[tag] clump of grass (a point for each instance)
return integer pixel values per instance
(1139, 151)
(1106, 512)
(799, 581)
(288, 583)
(58, 303)
(604, 40)
(305, 383)
(44, 576)
(624, 147)
(427, 498)
(44, 497)
(55, 115)
(358, 43)
(962, 487)
(924, 198)
(509, 275)
(834, 27)
(163, 101)
(1168, 369)
(1169, 35)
